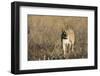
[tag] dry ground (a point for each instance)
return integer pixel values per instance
(44, 37)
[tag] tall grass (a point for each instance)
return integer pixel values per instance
(44, 37)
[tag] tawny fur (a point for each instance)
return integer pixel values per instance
(69, 41)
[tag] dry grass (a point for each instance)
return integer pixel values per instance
(44, 37)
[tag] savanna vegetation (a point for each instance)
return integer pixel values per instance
(44, 37)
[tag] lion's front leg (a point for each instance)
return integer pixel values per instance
(64, 49)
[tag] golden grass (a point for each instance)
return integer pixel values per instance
(44, 37)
